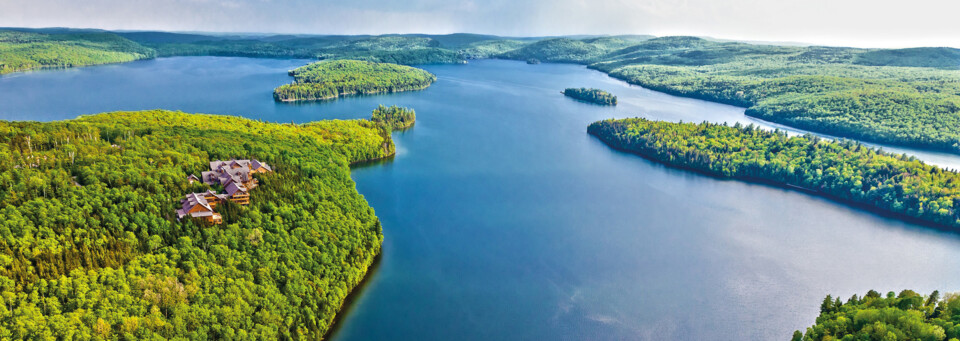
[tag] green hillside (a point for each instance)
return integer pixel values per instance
(20, 51)
(820, 89)
(91, 247)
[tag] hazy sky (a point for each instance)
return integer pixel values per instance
(833, 22)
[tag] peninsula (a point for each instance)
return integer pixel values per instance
(888, 183)
(90, 221)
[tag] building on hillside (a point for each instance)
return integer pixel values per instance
(239, 171)
(238, 193)
(196, 206)
(236, 178)
(259, 167)
(214, 199)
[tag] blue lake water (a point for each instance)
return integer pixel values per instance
(504, 220)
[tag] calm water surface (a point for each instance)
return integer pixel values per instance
(505, 220)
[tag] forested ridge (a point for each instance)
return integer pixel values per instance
(908, 97)
(399, 50)
(904, 316)
(846, 170)
(840, 91)
(336, 78)
(90, 246)
(596, 96)
(20, 51)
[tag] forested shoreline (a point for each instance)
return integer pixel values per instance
(91, 246)
(895, 184)
(904, 316)
(25, 51)
(331, 79)
(907, 97)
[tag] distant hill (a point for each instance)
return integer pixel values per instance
(568, 50)
(941, 57)
(166, 37)
(26, 50)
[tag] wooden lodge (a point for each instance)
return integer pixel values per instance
(195, 205)
(239, 171)
(238, 193)
(234, 176)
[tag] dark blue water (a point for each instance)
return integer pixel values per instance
(504, 220)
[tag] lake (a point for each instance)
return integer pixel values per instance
(504, 220)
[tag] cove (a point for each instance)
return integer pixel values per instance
(503, 219)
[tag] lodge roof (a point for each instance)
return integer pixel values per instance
(234, 175)
(190, 201)
(234, 187)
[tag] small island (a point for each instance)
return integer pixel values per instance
(394, 117)
(331, 79)
(595, 96)
(891, 184)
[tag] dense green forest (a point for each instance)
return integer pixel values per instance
(91, 248)
(596, 96)
(569, 50)
(394, 117)
(397, 49)
(20, 51)
(836, 91)
(846, 170)
(904, 316)
(335, 78)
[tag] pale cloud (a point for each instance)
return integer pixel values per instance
(834, 22)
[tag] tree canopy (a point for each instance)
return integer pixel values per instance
(91, 247)
(904, 316)
(20, 51)
(335, 78)
(394, 117)
(596, 96)
(846, 170)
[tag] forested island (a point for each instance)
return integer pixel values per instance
(91, 247)
(904, 316)
(846, 170)
(394, 117)
(332, 79)
(595, 96)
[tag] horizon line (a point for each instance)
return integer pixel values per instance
(267, 34)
